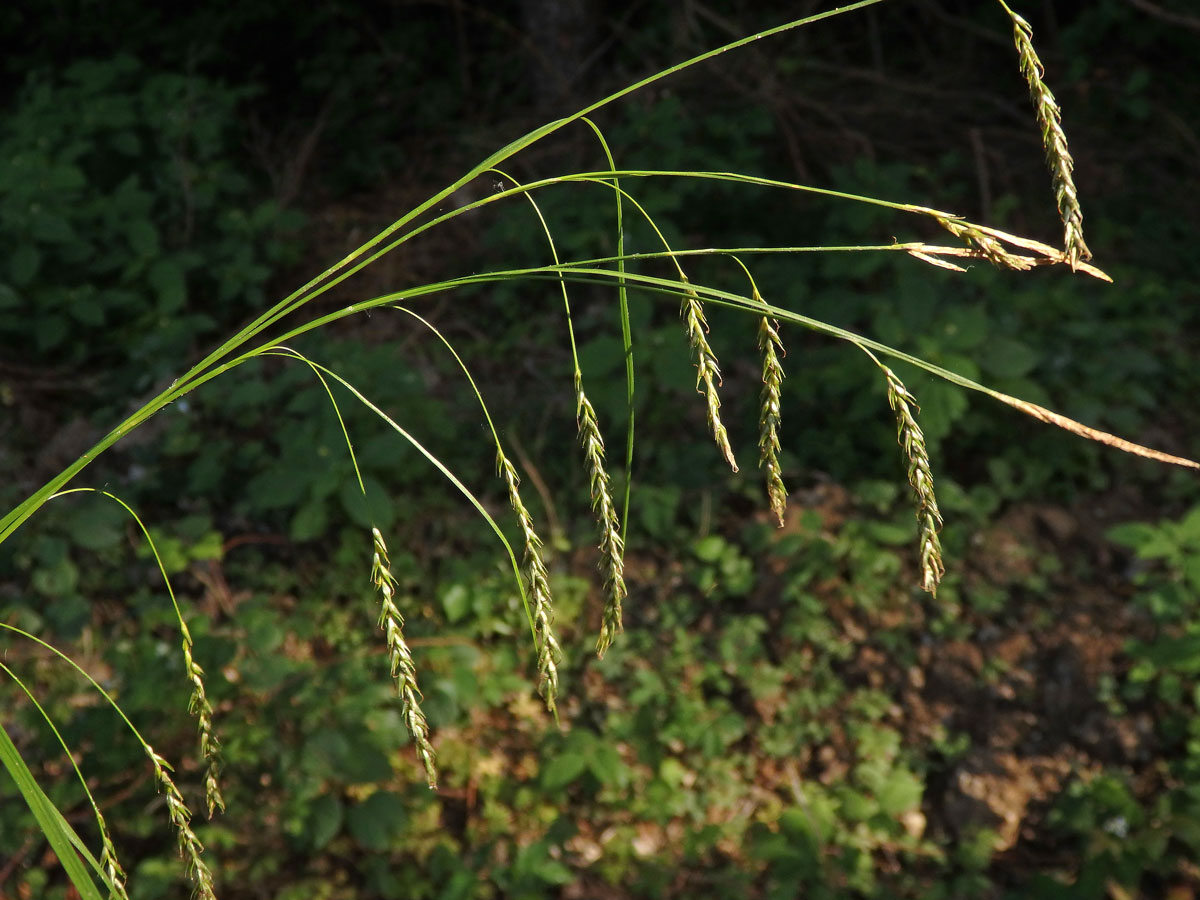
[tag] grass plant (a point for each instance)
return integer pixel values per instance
(268, 334)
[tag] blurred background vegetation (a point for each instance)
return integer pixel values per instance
(786, 715)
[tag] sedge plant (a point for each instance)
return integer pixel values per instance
(271, 332)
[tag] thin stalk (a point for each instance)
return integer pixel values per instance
(626, 331)
(277, 350)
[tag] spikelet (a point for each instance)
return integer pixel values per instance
(920, 477)
(210, 747)
(769, 412)
(708, 373)
(402, 666)
(190, 847)
(986, 245)
(548, 652)
(1054, 141)
(113, 872)
(612, 548)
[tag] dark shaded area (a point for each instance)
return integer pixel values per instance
(785, 715)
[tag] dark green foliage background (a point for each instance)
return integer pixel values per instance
(764, 727)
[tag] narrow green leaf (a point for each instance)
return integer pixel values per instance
(62, 839)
